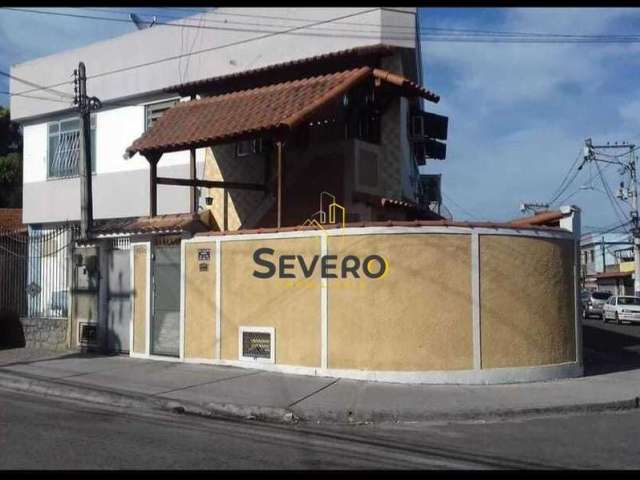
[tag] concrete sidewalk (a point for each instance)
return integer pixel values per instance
(246, 393)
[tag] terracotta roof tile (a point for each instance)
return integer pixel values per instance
(274, 108)
(396, 223)
(331, 58)
(177, 223)
(549, 217)
(11, 219)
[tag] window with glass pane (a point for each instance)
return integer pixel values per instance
(64, 148)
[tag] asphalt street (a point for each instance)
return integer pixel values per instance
(610, 347)
(42, 433)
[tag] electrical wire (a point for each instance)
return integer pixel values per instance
(562, 188)
(460, 207)
(596, 38)
(209, 49)
(407, 28)
(40, 87)
(616, 208)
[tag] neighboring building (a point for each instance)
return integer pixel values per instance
(264, 126)
(11, 219)
(607, 262)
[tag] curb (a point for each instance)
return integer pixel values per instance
(63, 389)
(72, 391)
(470, 415)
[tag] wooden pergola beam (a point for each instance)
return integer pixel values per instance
(187, 182)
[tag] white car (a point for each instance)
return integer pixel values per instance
(621, 308)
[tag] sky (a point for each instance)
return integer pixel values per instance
(518, 112)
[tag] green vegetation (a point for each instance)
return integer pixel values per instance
(10, 162)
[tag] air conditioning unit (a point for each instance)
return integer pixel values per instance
(426, 132)
(367, 168)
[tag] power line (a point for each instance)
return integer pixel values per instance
(183, 25)
(271, 33)
(209, 49)
(560, 190)
(408, 28)
(40, 87)
(460, 207)
(616, 208)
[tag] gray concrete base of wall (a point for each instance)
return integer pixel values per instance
(45, 333)
(489, 376)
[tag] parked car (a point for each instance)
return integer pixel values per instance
(592, 303)
(622, 309)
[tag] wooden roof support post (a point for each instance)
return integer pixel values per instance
(193, 190)
(192, 170)
(281, 183)
(153, 159)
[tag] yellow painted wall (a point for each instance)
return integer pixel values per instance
(200, 321)
(627, 266)
(417, 317)
(527, 301)
(294, 311)
(140, 298)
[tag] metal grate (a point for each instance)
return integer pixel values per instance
(121, 243)
(63, 161)
(256, 344)
(88, 334)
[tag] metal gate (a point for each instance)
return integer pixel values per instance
(119, 297)
(34, 274)
(165, 323)
(34, 271)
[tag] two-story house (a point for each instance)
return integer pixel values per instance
(245, 129)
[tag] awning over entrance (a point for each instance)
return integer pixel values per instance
(161, 224)
(273, 109)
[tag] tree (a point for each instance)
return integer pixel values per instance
(10, 161)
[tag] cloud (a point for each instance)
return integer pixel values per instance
(519, 113)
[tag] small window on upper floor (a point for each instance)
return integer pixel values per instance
(248, 147)
(63, 147)
(153, 111)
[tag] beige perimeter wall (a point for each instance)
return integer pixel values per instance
(200, 276)
(527, 301)
(293, 309)
(418, 317)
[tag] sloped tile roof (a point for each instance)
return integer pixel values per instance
(549, 217)
(160, 224)
(274, 108)
(340, 57)
(11, 219)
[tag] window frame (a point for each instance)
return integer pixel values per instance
(93, 125)
(256, 147)
(174, 101)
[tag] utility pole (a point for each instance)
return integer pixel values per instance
(634, 220)
(630, 194)
(604, 257)
(85, 105)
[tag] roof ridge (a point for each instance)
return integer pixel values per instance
(267, 88)
(359, 50)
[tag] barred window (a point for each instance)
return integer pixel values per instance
(63, 152)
